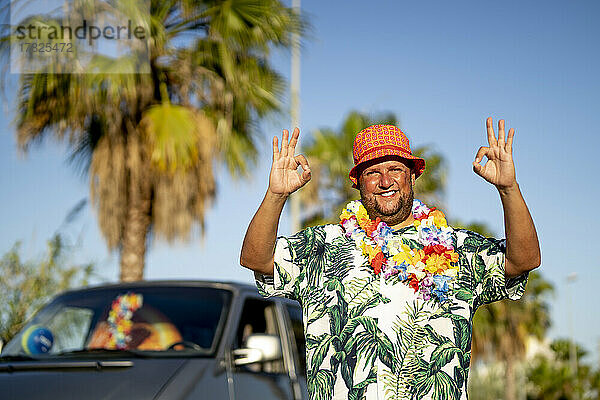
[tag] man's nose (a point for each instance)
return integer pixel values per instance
(386, 180)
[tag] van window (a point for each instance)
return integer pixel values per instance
(259, 316)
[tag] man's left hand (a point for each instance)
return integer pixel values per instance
(499, 169)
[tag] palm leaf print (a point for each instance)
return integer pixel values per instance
(362, 294)
(284, 277)
(411, 339)
(340, 257)
(320, 385)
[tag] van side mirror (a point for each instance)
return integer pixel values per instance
(259, 347)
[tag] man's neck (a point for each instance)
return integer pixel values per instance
(407, 222)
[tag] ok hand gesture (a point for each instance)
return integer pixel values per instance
(499, 169)
(284, 179)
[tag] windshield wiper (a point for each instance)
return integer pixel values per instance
(16, 357)
(102, 352)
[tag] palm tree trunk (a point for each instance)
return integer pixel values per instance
(138, 218)
(133, 251)
(509, 379)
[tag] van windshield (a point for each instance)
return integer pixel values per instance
(148, 320)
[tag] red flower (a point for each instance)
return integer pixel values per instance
(372, 226)
(436, 248)
(414, 282)
(377, 262)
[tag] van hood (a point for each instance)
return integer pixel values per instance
(105, 379)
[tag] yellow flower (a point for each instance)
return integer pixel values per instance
(362, 213)
(408, 256)
(437, 264)
(433, 263)
(370, 251)
(365, 248)
(403, 256)
(439, 218)
(345, 215)
(454, 257)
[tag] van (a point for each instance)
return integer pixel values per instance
(159, 340)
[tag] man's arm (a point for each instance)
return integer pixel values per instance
(522, 245)
(259, 242)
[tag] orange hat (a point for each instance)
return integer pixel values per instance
(378, 141)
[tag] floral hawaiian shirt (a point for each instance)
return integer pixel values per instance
(368, 337)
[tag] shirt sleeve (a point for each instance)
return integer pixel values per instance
(486, 257)
(289, 260)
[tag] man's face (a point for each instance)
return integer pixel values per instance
(386, 190)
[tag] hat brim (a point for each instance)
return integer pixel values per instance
(418, 168)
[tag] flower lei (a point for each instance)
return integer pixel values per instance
(119, 319)
(427, 269)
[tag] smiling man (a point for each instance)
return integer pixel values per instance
(389, 293)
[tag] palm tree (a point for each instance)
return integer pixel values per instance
(552, 377)
(501, 330)
(330, 157)
(149, 141)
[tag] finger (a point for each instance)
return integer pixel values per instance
(275, 149)
(501, 134)
(294, 141)
(490, 132)
(477, 168)
(300, 159)
(305, 177)
(482, 152)
(284, 143)
(509, 140)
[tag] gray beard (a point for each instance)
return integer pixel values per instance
(397, 215)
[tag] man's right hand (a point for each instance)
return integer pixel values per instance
(284, 179)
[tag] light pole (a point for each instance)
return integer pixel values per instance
(572, 347)
(295, 111)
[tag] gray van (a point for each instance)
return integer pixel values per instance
(159, 340)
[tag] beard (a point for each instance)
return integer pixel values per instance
(394, 213)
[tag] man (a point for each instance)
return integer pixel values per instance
(388, 295)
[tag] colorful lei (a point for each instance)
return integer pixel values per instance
(119, 319)
(427, 269)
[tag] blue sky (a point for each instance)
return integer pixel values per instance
(442, 68)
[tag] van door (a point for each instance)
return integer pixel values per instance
(262, 380)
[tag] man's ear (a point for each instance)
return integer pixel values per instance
(413, 178)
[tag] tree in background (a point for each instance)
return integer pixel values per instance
(149, 142)
(551, 378)
(26, 285)
(501, 329)
(330, 156)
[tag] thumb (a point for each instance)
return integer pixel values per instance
(305, 175)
